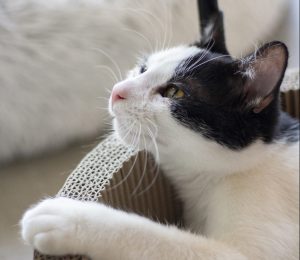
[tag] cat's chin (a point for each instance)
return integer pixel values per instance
(128, 141)
(137, 146)
(127, 138)
(132, 140)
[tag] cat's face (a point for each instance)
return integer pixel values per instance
(139, 104)
(188, 91)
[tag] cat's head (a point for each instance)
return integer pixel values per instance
(199, 94)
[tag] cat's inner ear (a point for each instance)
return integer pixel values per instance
(212, 27)
(263, 72)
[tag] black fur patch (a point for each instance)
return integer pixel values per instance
(288, 128)
(213, 104)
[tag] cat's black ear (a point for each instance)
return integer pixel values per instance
(262, 73)
(212, 28)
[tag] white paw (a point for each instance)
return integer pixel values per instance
(52, 226)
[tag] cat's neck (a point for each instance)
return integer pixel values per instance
(194, 155)
(193, 158)
(197, 170)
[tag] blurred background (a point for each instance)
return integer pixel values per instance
(60, 58)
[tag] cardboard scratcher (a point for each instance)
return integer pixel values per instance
(116, 175)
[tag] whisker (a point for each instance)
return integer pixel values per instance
(170, 27)
(127, 175)
(102, 108)
(144, 169)
(227, 55)
(146, 14)
(111, 59)
(203, 55)
(154, 143)
(156, 173)
(110, 71)
(108, 91)
(165, 29)
(142, 36)
(153, 124)
(128, 129)
(105, 98)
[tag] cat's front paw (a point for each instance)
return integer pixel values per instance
(52, 226)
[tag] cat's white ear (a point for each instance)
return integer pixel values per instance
(263, 72)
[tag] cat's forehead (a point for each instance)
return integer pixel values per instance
(169, 59)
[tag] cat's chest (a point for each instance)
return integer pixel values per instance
(205, 205)
(201, 196)
(207, 201)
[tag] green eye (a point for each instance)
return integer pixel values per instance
(173, 92)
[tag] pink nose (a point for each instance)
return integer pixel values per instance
(116, 96)
(118, 93)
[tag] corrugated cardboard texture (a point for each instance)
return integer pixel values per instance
(147, 192)
(142, 189)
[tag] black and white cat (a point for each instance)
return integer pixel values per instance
(216, 128)
(57, 57)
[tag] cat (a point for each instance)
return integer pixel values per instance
(57, 57)
(215, 127)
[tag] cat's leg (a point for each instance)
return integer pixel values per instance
(64, 226)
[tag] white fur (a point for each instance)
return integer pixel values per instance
(239, 204)
(54, 58)
(63, 226)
